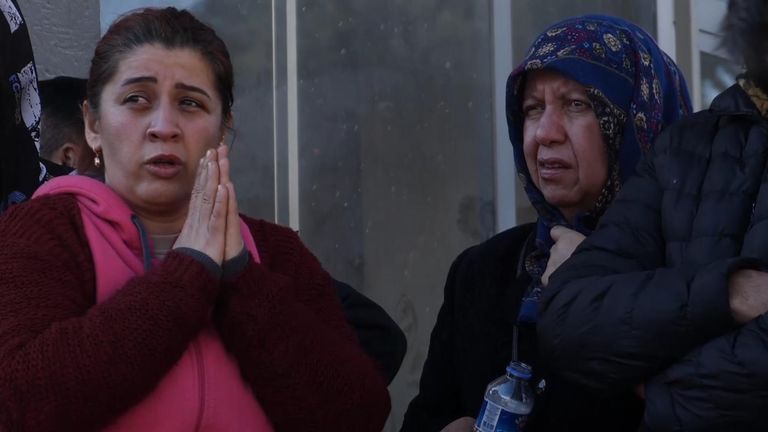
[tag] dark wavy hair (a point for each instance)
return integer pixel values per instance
(167, 27)
(745, 28)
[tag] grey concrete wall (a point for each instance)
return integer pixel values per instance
(63, 35)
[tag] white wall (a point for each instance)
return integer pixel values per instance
(63, 35)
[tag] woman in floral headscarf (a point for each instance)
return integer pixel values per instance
(583, 106)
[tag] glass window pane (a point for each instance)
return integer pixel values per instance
(718, 69)
(717, 74)
(396, 151)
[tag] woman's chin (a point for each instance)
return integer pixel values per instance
(558, 197)
(164, 196)
(565, 202)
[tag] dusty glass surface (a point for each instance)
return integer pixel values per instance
(396, 151)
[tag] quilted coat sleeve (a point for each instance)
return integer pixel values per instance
(721, 385)
(615, 314)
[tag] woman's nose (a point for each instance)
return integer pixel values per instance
(550, 129)
(165, 125)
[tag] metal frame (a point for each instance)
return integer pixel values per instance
(286, 112)
(665, 27)
(687, 47)
(504, 163)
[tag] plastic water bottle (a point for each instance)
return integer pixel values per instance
(508, 401)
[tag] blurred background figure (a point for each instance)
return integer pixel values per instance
(63, 148)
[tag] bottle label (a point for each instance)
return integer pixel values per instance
(494, 418)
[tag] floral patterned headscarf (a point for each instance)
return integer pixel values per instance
(635, 89)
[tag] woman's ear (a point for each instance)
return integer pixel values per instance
(226, 128)
(92, 127)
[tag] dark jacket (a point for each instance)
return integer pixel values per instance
(645, 298)
(380, 336)
(471, 344)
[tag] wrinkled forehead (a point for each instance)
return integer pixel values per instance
(165, 68)
(158, 59)
(537, 81)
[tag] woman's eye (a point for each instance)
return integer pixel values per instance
(579, 105)
(532, 110)
(134, 99)
(190, 103)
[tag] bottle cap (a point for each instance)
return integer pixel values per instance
(519, 369)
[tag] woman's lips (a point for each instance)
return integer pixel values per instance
(164, 166)
(552, 168)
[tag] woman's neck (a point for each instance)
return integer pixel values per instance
(569, 214)
(162, 224)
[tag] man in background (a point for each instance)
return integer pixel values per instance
(62, 140)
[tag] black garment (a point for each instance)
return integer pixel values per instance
(381, 338)
(19, 109)
(471, 344)
(645, 298)
(54, 170)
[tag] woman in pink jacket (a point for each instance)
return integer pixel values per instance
(146, 302)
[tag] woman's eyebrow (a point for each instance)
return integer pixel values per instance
(178, 86)
(138, 79)
(191, 88)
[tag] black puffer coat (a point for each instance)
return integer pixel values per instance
(644, 300)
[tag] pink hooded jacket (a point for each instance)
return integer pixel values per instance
(204, 390)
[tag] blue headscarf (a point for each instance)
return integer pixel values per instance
(635, 89)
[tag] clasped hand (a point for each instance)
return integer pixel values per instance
(748, 294)
(566, 241)
(213, 223)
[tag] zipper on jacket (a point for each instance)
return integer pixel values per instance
(195, 347)
(145, 252)
(200, 367)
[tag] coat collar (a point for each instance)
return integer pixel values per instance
(734, 100)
